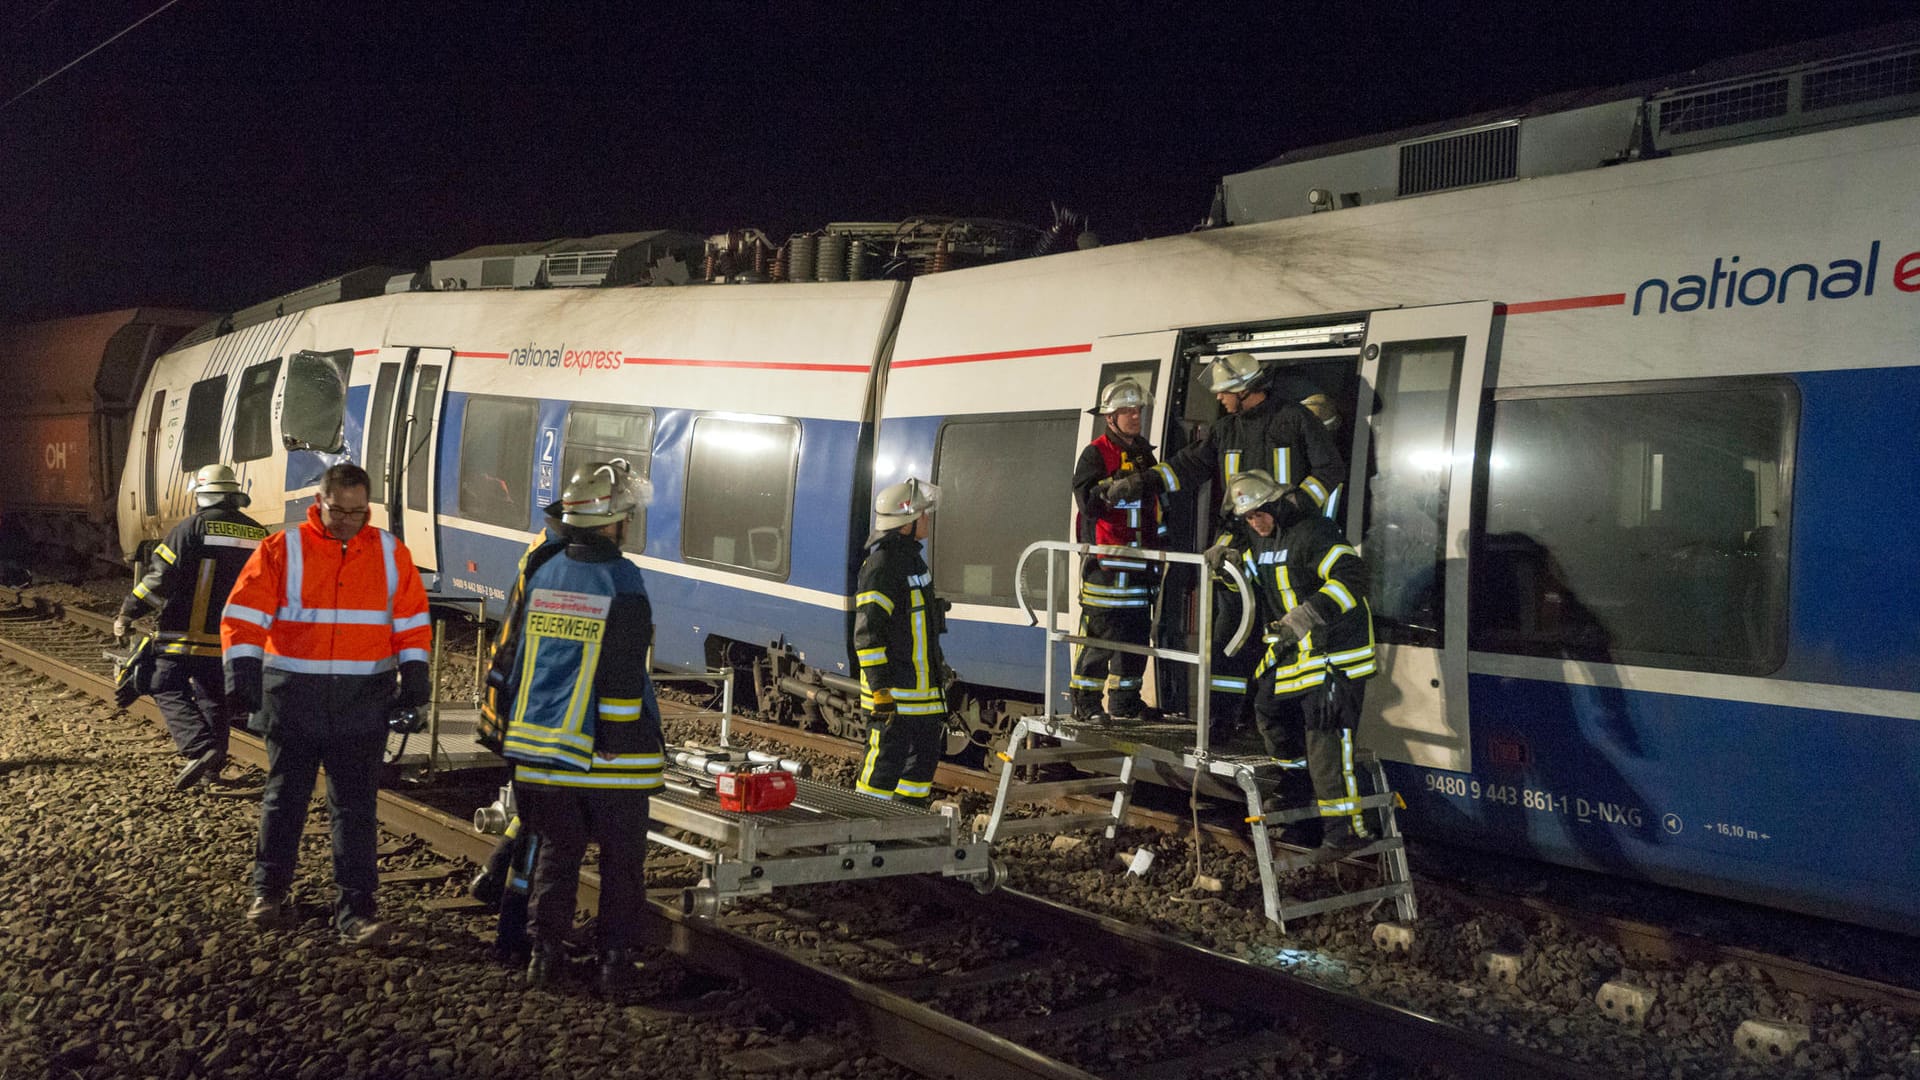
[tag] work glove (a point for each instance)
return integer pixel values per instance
(1126, 488)
(882, 712)
(1294, 625)
(243, 684)
(1218, 556)
(120, 626)
(416, 685)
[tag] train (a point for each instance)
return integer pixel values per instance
(73, 384)
(1624, 382)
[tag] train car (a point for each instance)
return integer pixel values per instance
(64, 436)
(1631, 462)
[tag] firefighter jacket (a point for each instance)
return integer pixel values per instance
(315, 628)
(897, 623)
(190, 575)
(495, 706)
(1277, 435)
(583, 708)
(1310, 562)
(1113, 581)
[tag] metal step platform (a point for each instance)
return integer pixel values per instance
(828, 834)
(1176, 753)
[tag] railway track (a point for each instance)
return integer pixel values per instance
(1251, 1010)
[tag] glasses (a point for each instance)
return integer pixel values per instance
(344, 512)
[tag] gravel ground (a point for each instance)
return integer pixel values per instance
(125, 953)
(1551, 1005)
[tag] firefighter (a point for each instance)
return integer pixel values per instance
(507, 877)
(897, 625)
(1312, 589)
(1116, 593)
(1259, 431)
(319, 620)
(583, 731)
(188, 579)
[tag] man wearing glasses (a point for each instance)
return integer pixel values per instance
(316, 627)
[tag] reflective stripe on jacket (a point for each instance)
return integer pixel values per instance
(1115, 581)
(1311, 563)
(329, 623)
(189, 577)
(897, 624)
(583, 708)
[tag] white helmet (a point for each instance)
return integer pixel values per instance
(216, 482)
(1235, 373)
(601, 493)
(1122, 394)
(903, 503)
(1323, 409)
(1249, 491)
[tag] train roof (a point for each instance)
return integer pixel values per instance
(1844, 79)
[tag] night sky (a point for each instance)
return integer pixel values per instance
(226, 151)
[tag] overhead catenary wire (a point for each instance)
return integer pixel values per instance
(69, 64)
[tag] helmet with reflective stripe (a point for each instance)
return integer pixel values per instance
(903, 503)
(1236, 373)
(1122, 394)
(216, 482)
(1253, 490)
(601, 493)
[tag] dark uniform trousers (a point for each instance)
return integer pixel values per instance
(192, 695)
(902, 754)
(1316, 723)
(564, 819)
(353, 788)
(1232, 676)
(1092, 664)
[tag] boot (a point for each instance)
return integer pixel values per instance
(545, 966)
(200, 768)
(619, 973)
(267, 912)
(1086, 708)
(1344, 834)
(486, 887)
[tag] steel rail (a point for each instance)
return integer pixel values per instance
(903, 1030)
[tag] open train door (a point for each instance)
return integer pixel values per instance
(403, 452)
(1421, 370)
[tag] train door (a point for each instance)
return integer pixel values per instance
(402, 455)
(1422, 370)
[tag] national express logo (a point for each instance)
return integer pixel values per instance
(581, 360)
(1731, 285)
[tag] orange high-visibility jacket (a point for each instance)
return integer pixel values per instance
(329, 623)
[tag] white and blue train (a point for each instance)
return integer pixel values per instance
(1634, 457)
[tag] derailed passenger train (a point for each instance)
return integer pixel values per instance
(1632, 461)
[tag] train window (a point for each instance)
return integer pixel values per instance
(739, 508)
(313, 410)
(155, 411)
(602, 433)
(379, 430)
(496, 461)
(200, 433)
(1004, 483)
(1646, 526)
(426, 402)
(253, 411)
(1404, 541)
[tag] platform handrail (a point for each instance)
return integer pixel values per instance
(1202, 658)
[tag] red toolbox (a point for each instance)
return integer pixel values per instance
(751, 792)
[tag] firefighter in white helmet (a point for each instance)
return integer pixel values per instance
(897, 625)
(584, 732)
(1318, 645)
(1116, 591)
(188, 579)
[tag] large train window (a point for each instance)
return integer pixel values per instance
(200, 434)
(496, 461)
(739, 502)
(1638, 525)
(253, 412)
(1005, 481)
(602, 433)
